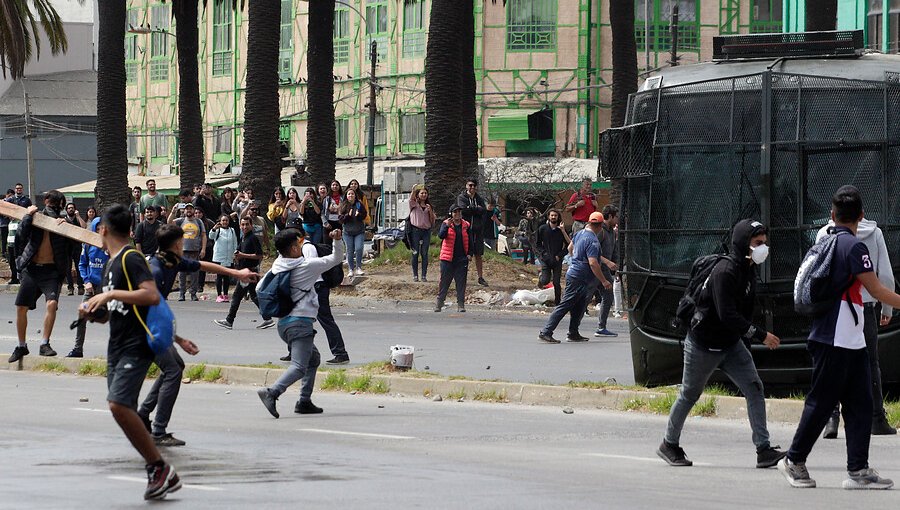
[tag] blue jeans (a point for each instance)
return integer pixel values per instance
(313, 232)
(419, 239)
(305, 359)
(699, 365)
(574, 302)
(606, 301)
(354, 243)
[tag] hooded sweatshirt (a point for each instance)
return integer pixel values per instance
(726, 299)
(872, 236)
(92, 260)
(304, 273)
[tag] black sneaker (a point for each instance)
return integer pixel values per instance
(424, 279)
(547, 338)
(482, 282)
(194, 297)
(223, 323)
(161, 480)
(673, 454)
(75, 353)
(18, 353)
(167, 440)
(80, 291)
(415, 278)
(881, 427)
(769, 456)
(831, 428)
(439, 306)
(286, 357)
(306, 407)
(46, 350)
(338, 360)
(268, 400)
(70, 292)
(576, 337)
(266, 324)
(461, 308)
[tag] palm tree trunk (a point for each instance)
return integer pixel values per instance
(821, 15)
(190, 121)
(469, 136)
(112, 142)
(262, 164)
(624, 57)
(321, 140)
(444, 176)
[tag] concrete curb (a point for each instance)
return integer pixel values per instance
(778, 410)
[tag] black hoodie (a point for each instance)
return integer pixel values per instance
(726, 301)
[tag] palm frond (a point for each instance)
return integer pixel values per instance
(20, 24)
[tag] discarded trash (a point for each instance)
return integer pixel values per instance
(531, 297)
(490, 298)
(437, 398)
(402, 356)
(488, 367)
(568, 410)
(610, 380)
(380, 407)
(228, 392)
(427, 367)
(84, 399)
(186, 380)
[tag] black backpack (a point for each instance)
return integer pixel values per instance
(700, 271)
(334, 276)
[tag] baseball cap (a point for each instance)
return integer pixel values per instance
(596, 217)
(189, 205)
(454, 207)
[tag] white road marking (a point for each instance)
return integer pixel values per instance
(638, 459)
(185, 485)
(360, 434)
(91, 410)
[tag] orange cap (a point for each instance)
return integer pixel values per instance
(596, 217)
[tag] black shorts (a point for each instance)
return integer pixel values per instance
(477, 241)
(37, 280)
(124, 377)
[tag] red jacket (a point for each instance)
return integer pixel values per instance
(449, 240)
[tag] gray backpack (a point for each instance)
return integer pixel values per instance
(814, 293)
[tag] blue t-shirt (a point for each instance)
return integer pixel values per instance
(838, 327)
(586, 246)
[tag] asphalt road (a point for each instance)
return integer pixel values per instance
(394, 452)
(448, 343)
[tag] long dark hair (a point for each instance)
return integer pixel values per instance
(345, 203)
(272, 199)
(420, 190)
(296, 194)
(225, 192)
(340, 188)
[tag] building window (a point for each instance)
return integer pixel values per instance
(342, 132)
(765, 16)
(131, 47)
(222, 139)
(414, 29)
(159, 43)
(531, 25)
(341, 35)
(159, 144)
(286, 48)
(222, 51)
(876, 26)
(659, 36)
(134, 148)
(412, 129)
(380, 129)
(377, 28)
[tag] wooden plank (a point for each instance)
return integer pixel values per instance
(42, 221)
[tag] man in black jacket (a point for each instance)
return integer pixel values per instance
(719, 338)
(551, 244)
(43, 265)
(474, 210)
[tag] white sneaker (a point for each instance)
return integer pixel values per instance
(359, 272)
(866, 479)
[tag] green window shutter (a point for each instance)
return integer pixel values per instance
(509, 125)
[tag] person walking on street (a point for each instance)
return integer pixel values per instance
(526, 236)
(296, 329)
(42, 264)
(73, 279)
(248, 256)
(837, 343)
(474, 212)
(225, 244)
(90, 266)
(609, 253)
(421, 222)
(352, 215)
(582, 204)
(718, 338)
(551, 243)
(194, 249)
(871, 235)
(456, 250)
(324, 314)
(128, 290)
(581, 279)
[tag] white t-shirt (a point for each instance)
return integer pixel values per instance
(310, 252)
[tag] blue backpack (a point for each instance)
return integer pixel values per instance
(814, 292)
(275, 295)
(160, 321)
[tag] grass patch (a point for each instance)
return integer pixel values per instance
(263, 365)
(662, 404)
(719, 391)
(706, 407)
(490, 396)
(92, 368)
(634, 404)
(378, 367)
(457, 394)
(796, 395)
(55, 367)
(458, 378)
(893, 412)
(212, 375)
(542, 382)
(195, 372)
(600, 385)
(153, 371)
(335, 380)
(360, 383)
(380, 386)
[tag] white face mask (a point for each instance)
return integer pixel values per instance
(759, 254)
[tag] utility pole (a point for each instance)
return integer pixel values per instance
(28, 152)
(673, 32)
(647, 34)
(373, 110)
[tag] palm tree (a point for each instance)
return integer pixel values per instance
(444, 174)
(19, 36)
(112, 145)
(468, 142)
(262, 164)
(321, 141)
(190, 121)
(624, 57)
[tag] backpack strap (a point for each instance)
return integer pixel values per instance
(131, 288)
